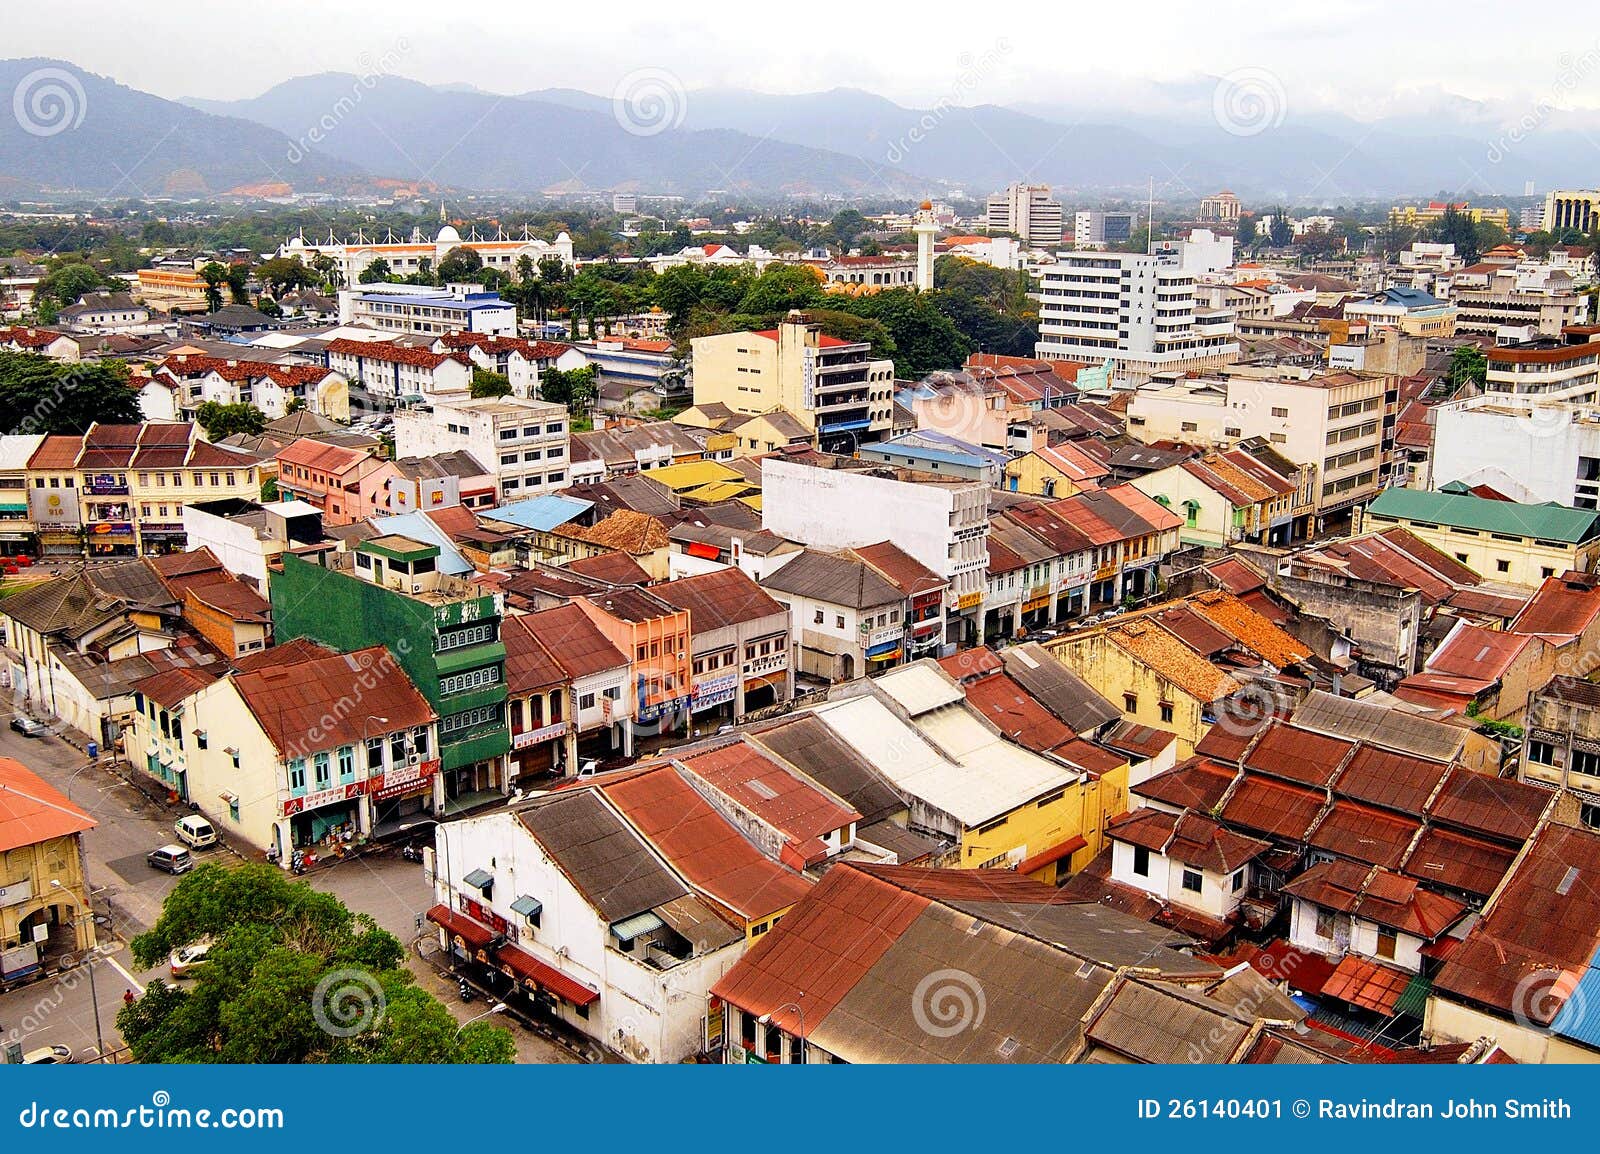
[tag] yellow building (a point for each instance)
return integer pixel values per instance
(1502, 540)
(173, 290)
(1055, 471)
(1422, 215)
(44, 893)
(830, 386)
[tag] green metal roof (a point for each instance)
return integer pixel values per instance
(1413, 999)
(1545, 522)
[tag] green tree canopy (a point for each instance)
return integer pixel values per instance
(293, 976)
(460, 264)
(376, 272)
(38, 395)
(574, 388)
(486, 384)
(223, 420)
(283, 274)
(1468, 366)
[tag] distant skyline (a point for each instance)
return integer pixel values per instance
(1359, 57)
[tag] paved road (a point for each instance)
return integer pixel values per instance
(58, 1010)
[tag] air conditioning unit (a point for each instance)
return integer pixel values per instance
(413, 758)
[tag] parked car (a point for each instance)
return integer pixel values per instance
(195, 831)
(28, 727)
(184, 959)
(47, 1056)
(172, 859)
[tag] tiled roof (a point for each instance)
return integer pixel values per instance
(32, 810)
(613, 565)
(529, 665)
(802, 811)
(719, 599)
(573, 640)
(1249, 628)
(294, 703)
(1171, 659)
(702, 846)
(393, 353)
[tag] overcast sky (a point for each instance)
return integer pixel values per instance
(1365, 57)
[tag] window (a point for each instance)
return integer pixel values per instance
(586, 701)
(1238, 881)
(374, 753)
(816, 618)
(324, 774)
(297, 774)
(1542, 752)
(1501, 565)
(1325, 923)
(1130, 703)
(347, 764)
(471, 679)
(1279, 412)
(838, 620)
(1141, 861)
(1386, 944)
(1192, 881)
(419, 740)
(467, 635)
(397, 749)
(1166, 711)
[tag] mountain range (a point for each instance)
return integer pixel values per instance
(336, 132)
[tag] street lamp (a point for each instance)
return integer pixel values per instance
(94, 992)
(497, 1008)
(800, 1039)
(449, 881)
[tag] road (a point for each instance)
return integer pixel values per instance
(58, 1010)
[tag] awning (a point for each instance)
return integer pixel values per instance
(479, 879)
(529, 969)
(474, 935)
(1054, 854)
(629, 928)
(527, 907)
(229, 798)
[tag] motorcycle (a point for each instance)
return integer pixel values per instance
(411, 853)
(466, 990)
(297, 863)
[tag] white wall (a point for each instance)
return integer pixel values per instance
(643, 1014)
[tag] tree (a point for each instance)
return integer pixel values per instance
(215, 277)
(68, 280)
(376, 273)
(1244, 232)
(294, 405)
(1468, 366)
(486, 384)
(239, 283)
(283, 274)
(925, 339)
(847, 225)
(1457, 228)
(782, 287)
(38, 395)
(220, 420)
(574, 388)
(459, 264)
(293, 976)
(1282, 232)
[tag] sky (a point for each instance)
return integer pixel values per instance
(1366, 58)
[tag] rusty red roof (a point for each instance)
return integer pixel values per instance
(701, 844)
(32, 810)
(1298, 754)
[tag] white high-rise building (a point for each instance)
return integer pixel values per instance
(1028, 211)
(1135, 311)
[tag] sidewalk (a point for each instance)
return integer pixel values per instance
(538, 1041)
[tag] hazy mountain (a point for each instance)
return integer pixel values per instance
(74, 131)
(565, 140)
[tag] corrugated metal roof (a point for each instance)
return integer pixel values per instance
(607, 862)
(920, 687)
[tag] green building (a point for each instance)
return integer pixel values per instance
(388, 591)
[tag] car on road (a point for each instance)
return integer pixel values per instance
(28, 727)
(47, 1056)
(195, 831)
(184, 959)
(172, 859)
